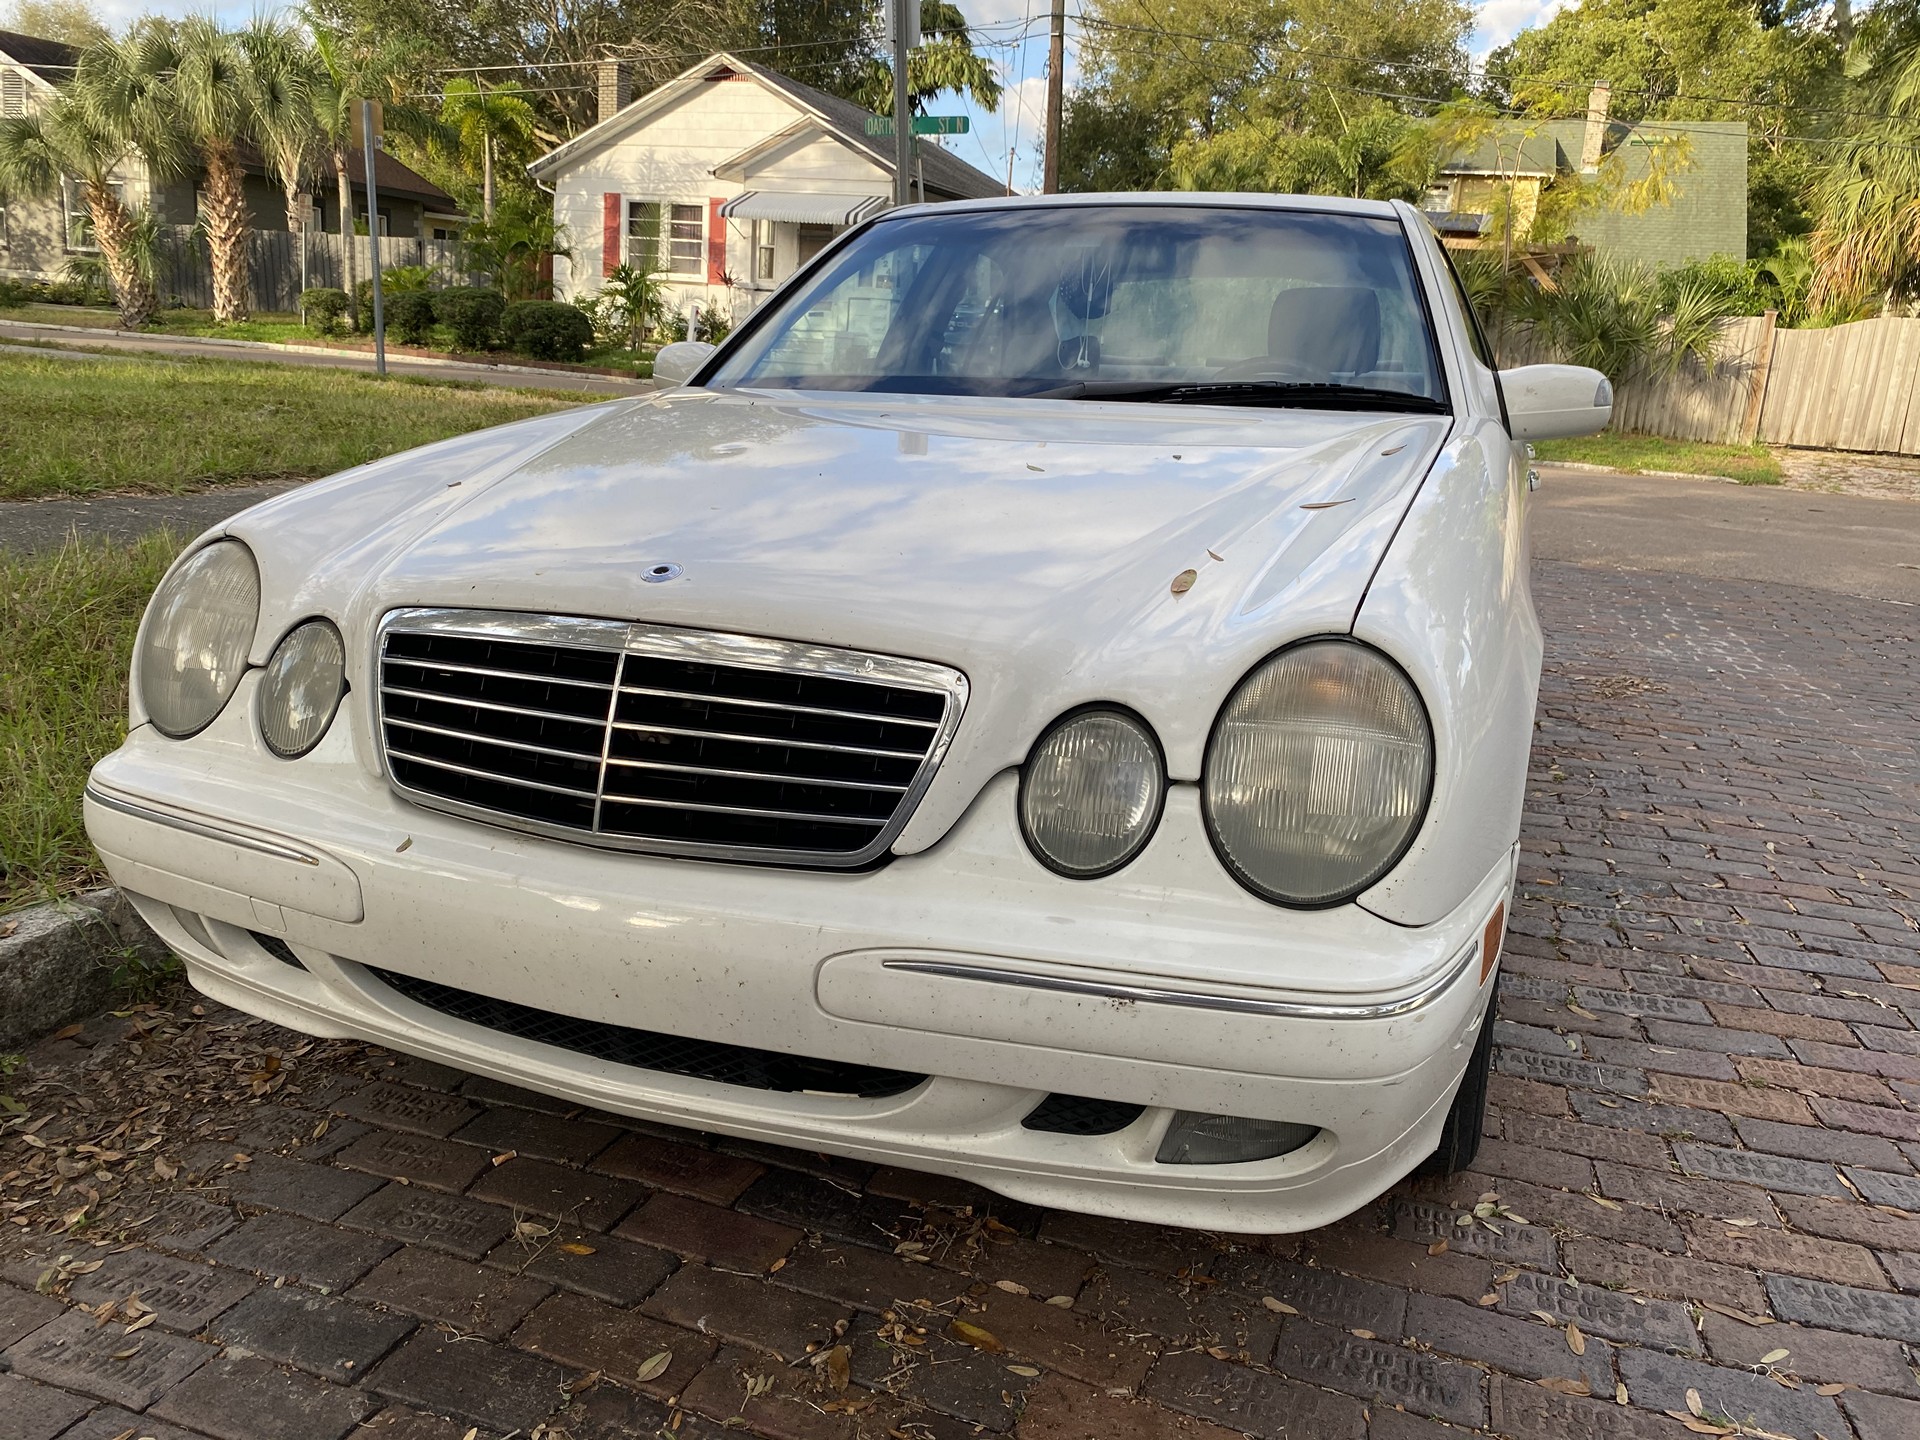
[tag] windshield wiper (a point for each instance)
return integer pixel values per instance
(1297, 394)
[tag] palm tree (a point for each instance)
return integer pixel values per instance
(85, 135)
(347, 74)
(483, 122)
(183, 90)
(285, 74)
(1868, 200)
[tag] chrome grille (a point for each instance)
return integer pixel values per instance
(645, 737)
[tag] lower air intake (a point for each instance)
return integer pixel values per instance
(1077, 1115)
(647, 1050)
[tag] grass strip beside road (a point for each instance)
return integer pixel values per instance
(1639, 454)
(66, 637)
(163, 426)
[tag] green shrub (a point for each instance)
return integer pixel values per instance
(406, 279)
(546, 329)
(323, 306)
(410, 316)
(14, 293)
(471, 313)
(712, 323)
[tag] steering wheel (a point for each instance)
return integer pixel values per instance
(1266, 367)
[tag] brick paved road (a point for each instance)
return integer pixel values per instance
(1698, 1189)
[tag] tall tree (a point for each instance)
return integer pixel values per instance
(485, 125)
(1868, 197)
(67, 141)
(207, 108)
(1167, 84)
(347, 72)
(946, 61)
(74, 21)
(286, 74)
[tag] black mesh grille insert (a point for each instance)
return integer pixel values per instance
(648, 749)
(1078, 1115)
(646, 1050)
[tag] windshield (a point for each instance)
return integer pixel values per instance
(1150, 302)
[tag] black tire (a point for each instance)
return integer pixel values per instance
(1460, 1136)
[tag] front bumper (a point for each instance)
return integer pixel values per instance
(1164, 985)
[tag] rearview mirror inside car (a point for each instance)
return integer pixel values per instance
(1548, 402)
(675, 363)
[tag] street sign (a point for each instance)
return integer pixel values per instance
(878, 125)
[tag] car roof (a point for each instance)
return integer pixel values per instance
(1216, 199)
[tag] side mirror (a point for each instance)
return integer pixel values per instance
(676, 363)
(1550, 402)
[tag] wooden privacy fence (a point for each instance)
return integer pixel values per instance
(280, 264)
(1850, 387)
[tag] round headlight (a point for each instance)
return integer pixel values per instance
(193, 648)
(1318, 773)
(1091, 793)
(302, 688)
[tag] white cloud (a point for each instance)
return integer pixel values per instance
(1500, 20)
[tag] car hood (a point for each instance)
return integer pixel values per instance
(1038, 546)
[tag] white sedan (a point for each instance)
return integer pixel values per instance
(1046, 701)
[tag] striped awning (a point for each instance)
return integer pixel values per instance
(803, 207)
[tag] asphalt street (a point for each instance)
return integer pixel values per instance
(1845, 544)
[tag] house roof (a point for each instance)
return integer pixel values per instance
(51, 60)
(1498, 154)
(393, 178)
(946, 173)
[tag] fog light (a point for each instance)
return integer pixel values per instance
(1195, 1139)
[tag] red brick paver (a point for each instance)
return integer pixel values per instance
(1702, 1146)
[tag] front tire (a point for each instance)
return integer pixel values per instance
(1460, 1136)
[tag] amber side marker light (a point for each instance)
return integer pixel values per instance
(1490, 940)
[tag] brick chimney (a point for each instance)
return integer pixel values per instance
(616, 86)
(1594, 142)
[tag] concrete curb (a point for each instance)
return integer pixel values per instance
(392, 359)
(1615, 470)
(57, 961)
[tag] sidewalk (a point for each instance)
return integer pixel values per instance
(64, 337)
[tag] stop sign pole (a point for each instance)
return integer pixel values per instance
(370, 128)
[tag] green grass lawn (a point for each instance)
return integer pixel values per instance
(66, 635)
(263, 325)
(83, 426)
(1749, 464)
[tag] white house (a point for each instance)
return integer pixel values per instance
(725, 178)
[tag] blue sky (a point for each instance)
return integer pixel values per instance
(1014, 33)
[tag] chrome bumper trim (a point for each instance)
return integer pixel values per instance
(1199, 999)
(206, 829)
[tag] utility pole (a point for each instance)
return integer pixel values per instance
(905, 17)
(370, 127)
(1056, 63)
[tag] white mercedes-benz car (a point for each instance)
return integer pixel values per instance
(1046, 701)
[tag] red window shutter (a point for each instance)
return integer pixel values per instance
(716, 243)
(612, 216)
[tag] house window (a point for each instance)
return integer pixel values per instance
(763, 250)
(79, 219)
(643, 235)
(686, 239)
